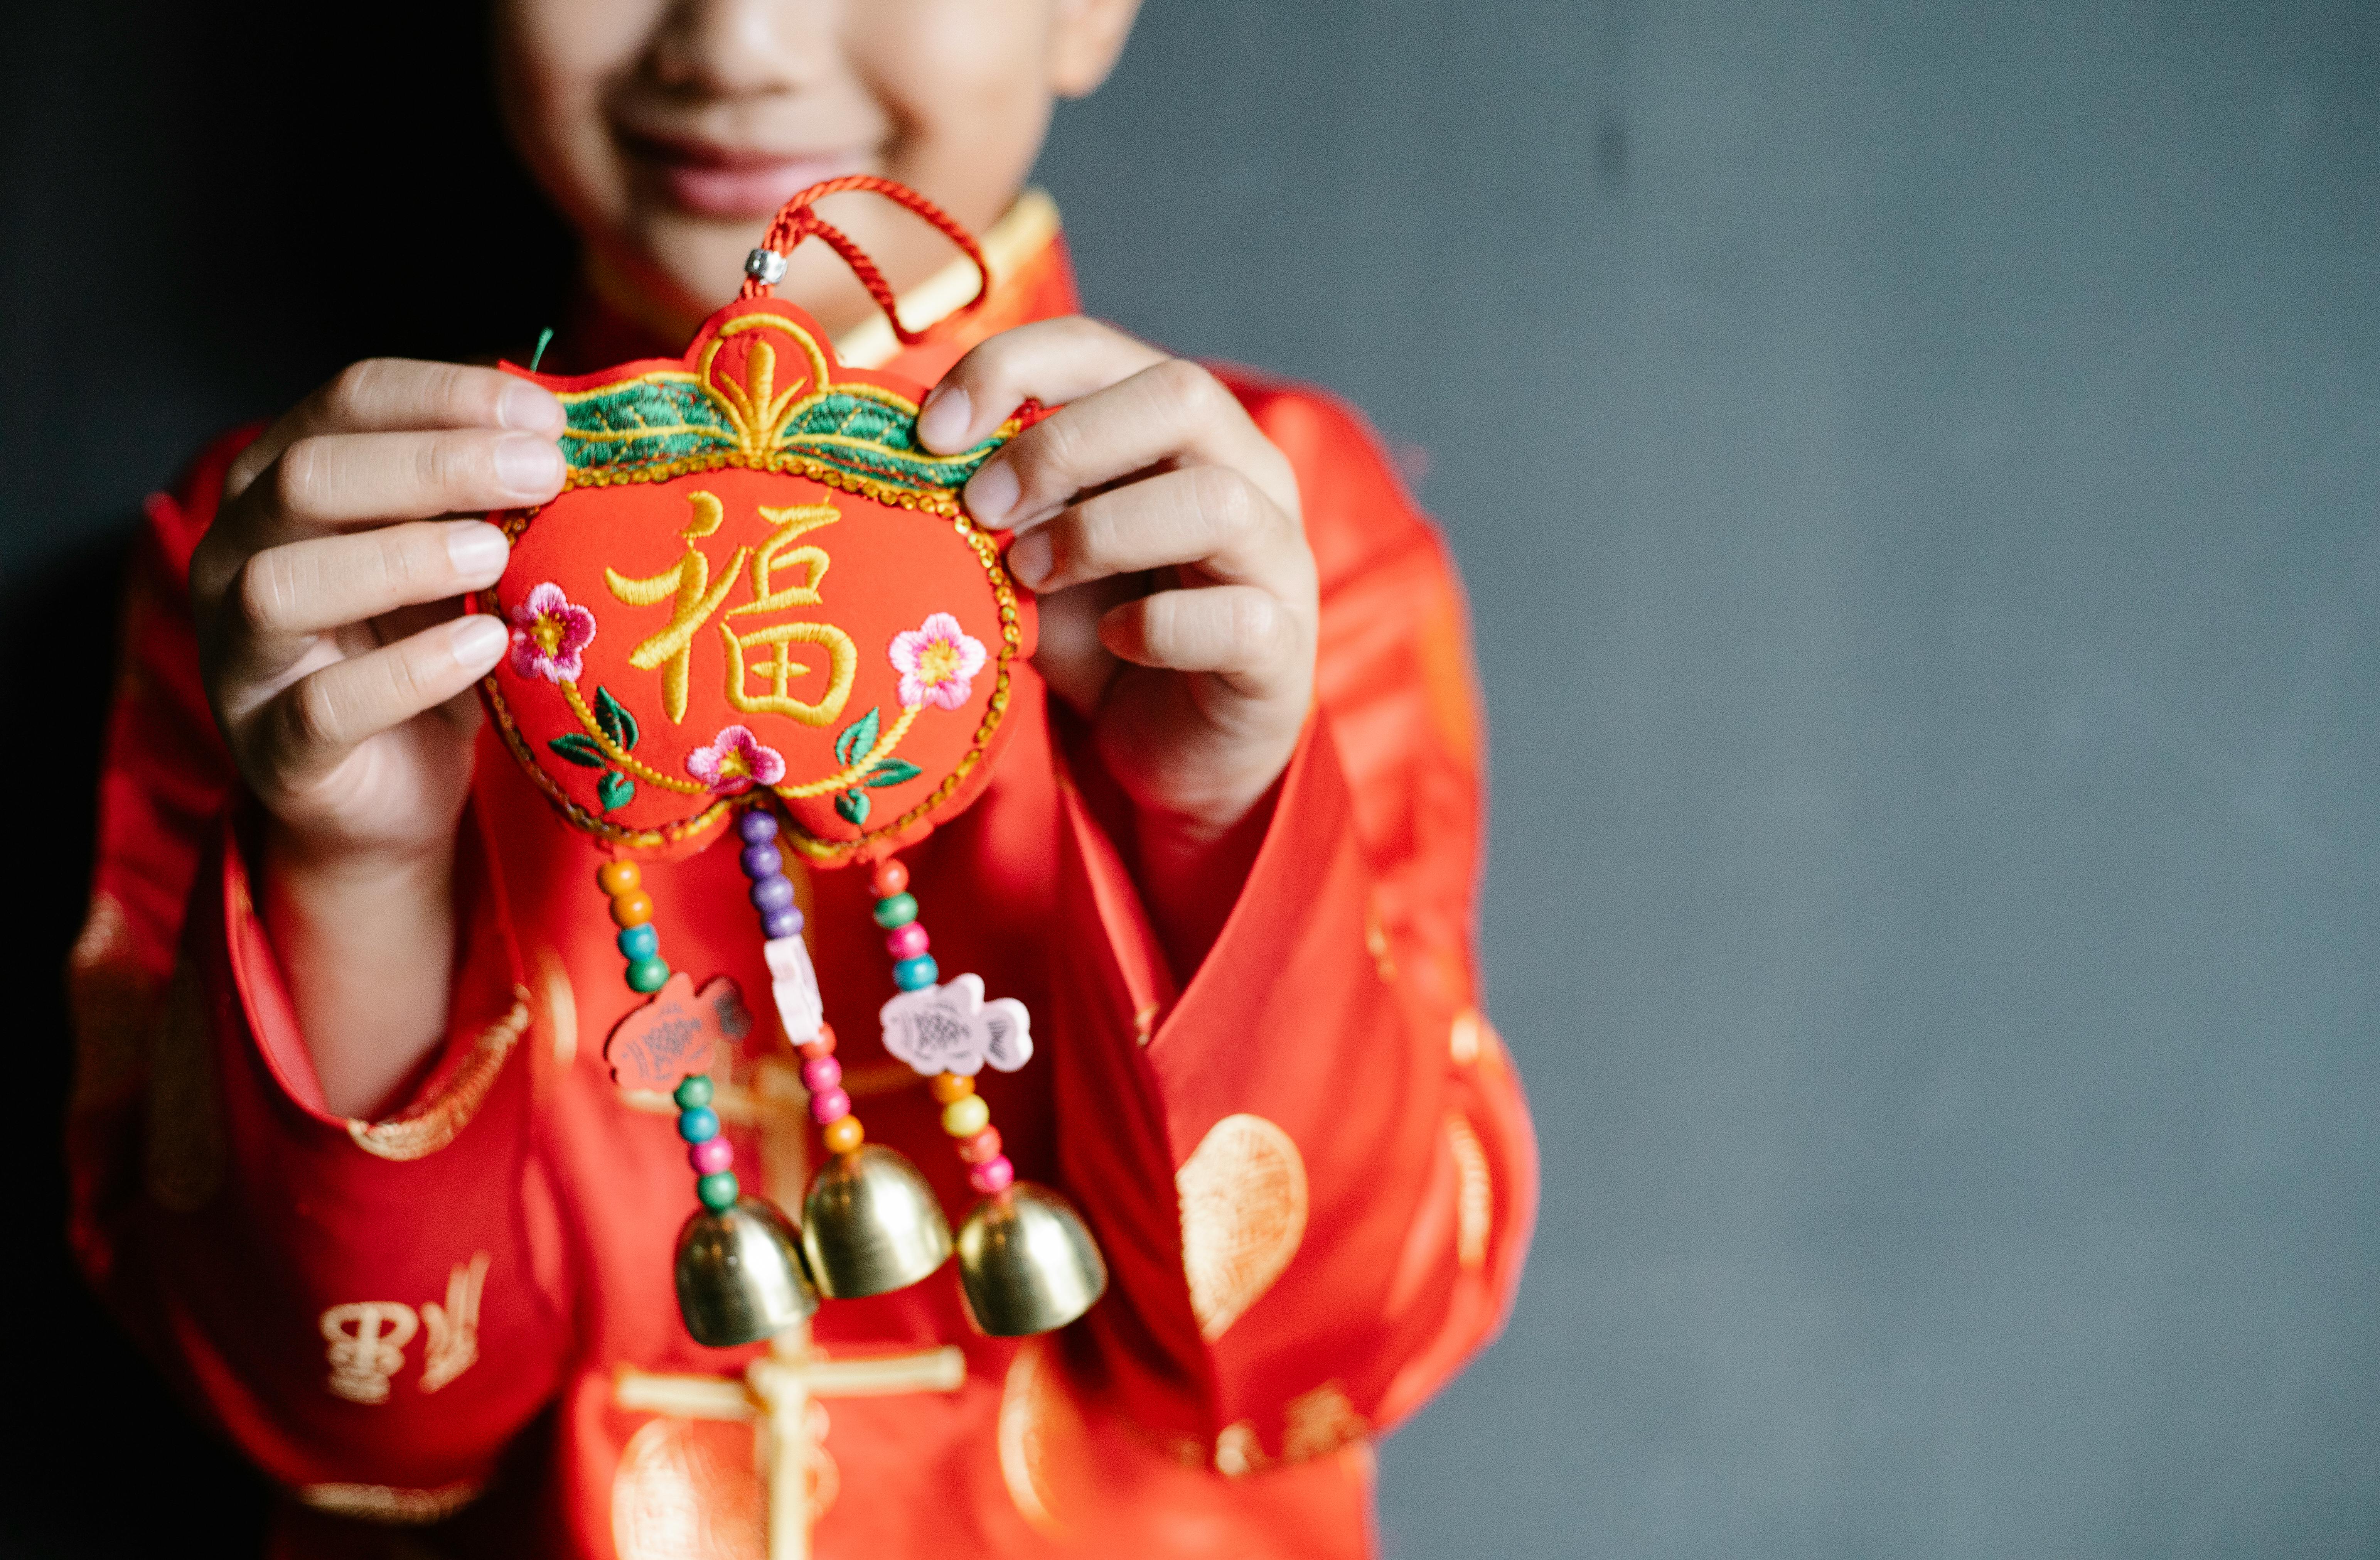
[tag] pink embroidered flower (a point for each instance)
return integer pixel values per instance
(548, 632)
(938, 661)
(735, 761)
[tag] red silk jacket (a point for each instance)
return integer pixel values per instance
(1309, 1166)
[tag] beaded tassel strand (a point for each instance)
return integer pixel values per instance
(711, 1156)
(772, 895)
(966, 1117)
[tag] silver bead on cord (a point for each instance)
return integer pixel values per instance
(765, 266)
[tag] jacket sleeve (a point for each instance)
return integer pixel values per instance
(1311, 1166)
(369, 1310)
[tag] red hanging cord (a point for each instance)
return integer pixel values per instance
(795, 221)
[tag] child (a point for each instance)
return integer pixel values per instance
(345, 1155)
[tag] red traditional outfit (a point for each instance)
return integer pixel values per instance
(1308, 1163)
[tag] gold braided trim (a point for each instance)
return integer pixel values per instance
(435, 1121)
(382, 1503)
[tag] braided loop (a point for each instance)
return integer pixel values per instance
(795, 221)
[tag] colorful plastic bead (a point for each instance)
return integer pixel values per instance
(965, 1117)
(819, 1044)
(909, 941)
(693, 1093)
(648, 975)
(830, 1105)
(844, 1136)
(699, 1125)
(762, 861)
(947, 1086)
(915, 974)
(786, 923)
(821, 1075)
(632, 908)
(618, 877)
(718, 1192)
(891, 878)
(639, 942)
(711, 1156)
(981, 1148)
(897, 910)
(757, 827)
(992, 1175)
(772, 893)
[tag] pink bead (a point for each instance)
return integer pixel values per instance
(830, 1105)
(821, 1075)
(907, 942)
(709, 1158)
(992, 1175)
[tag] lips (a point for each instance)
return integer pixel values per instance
(703, 178)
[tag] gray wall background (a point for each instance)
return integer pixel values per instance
(1916, 467)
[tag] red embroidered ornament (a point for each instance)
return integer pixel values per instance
(756, 583)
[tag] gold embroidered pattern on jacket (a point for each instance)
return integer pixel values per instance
(367, 1339)
(1243, 1195)
(686, 1491)
(1042, 1440)
(433, 1123)
(1318, 1422)
(455, 1325)
(382, 1503)
(187, 1148)
(1474, 1197)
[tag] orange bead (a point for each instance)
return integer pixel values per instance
(632, 908)
(845, 1135)
(891, 877)
(952, 1086)
(981, 1148)
(619, 877)
(822, 1044)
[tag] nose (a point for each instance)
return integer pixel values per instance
(735, 48)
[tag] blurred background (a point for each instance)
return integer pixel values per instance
(1917, 469)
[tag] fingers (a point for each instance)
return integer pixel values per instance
(1238, 632)
(1051, 361)
(398, 395)
(1208, 515)
(313, 724)
(285, 595)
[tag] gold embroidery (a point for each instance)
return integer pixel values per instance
(435, 1121)
(114, 1004)
(1318, 1422)
(1462, 1040)
(1043, 1439)
(382, 1503)
(187, 1147)
(1375, 938)
(453, 1326)
(686, 584)
(682, 1492)
(1237, 1451)
(368, 1339)
(1143, 1022)
(1474, 1198)
(1242, 1196)
(561, 1006)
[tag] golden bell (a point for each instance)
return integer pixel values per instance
(739, 1274)
(871, 1225)
(1027, 1264)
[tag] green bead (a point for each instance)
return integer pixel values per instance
(693, 1092)
(647, 974)
(898, 910)
(718, 1192)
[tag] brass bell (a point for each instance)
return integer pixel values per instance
(740, 1276)
(1026, 1263)
(871, 1225)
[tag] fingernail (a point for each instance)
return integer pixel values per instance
(530, 408)
(528, 466)
(476, 641)
(992, 493)
(1029, 557)
(942, 422)
(477, 549)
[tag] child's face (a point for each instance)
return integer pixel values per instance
(669, 131)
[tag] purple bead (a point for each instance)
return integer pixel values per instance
(758, 826)
(762, 861)
(772, 893)
(786, 923)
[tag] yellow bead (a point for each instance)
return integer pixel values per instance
(950, 1087)
(966, 1116)
(619, 877)
(845, 1133)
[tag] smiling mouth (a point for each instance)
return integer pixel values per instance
(702, 178)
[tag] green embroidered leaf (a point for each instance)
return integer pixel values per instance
(613, 717)
(857, 737)
(577, 748)
(852, 805)
(615, 790)
(891, 771)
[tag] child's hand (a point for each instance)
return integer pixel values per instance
(1178, 605)
(341, 675)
